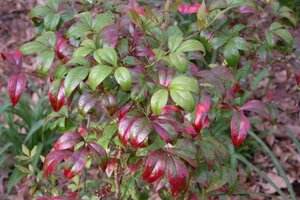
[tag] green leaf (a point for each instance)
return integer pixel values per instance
(82, 52)
(123, 77)
(241, 44)
(32, 47)
(179, 61)
(183, 98)
(285, 35)
(217, 42)
(48, 39)
(158, 100)
(51, 21)
(237, 28)
(45, 60)
(73, 78)
(39, 11)
(185, 83)
(102, 20)
(191, 45)
(86, 18)
(108, 133)
(174, 42)
(174, 31)
(54, 4)
(89, 44)
(231, 54)
(108, 55)
(98, 74)
(202, 16)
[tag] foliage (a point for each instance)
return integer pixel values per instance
(148, 101)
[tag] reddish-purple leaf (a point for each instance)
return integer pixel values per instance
(178, 176)
(76, 162)
(67, 141)
(16, 86)
(155, 166)
(83, 131)
(166, 130)
(13, 58)
(123, 111)
(202, 110)
(42, 198)
(247, 10)
(240, 126)
(258, 107)
(166, 75)
(53, 159)
(125, 126)
(110, 35)
(133, 5)
(56, 95)
(99, 153)
(134, 167)
(63, 48)
(187, 8)
(191, 130)
(144, 51)
(86, 103)
(112, 163)
(235, 89)
(139, 132)
(172, 112)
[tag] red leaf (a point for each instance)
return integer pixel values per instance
(112, 163)
(110, 35)
(83, 131)
(13, 58)
(86, 103)
(258, 107)
(68, 141)
(134, 167)
(99, 153)
(166, 130)
(187, 8)
(140, 131)
(133, 5)
(53, 159)
(125, 126)
(202, 110)
(123, 111)
(76, 162)
(42, 198)
(56, 95)
(239, 125)
(178, 176)
(16, 86)
(155, 166)
(63, 48)
(166, 75)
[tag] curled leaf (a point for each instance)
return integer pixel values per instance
(16, 86)
(56, 95)
(155, 166)
(67, 141)
(240, 126)
(76, 162)
(53, 159)
(201, 114)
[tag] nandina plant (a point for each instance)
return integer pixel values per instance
(147, 97)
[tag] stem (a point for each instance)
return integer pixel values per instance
(116, 178)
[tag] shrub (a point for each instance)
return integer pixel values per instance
(147, 98)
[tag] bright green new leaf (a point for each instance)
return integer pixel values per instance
(74, 77)
(183, 98)
(98, 74)
(32, 47)
(185, 83)
(107, 55)
(158, 100)
(123, 77)
(82, 52)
